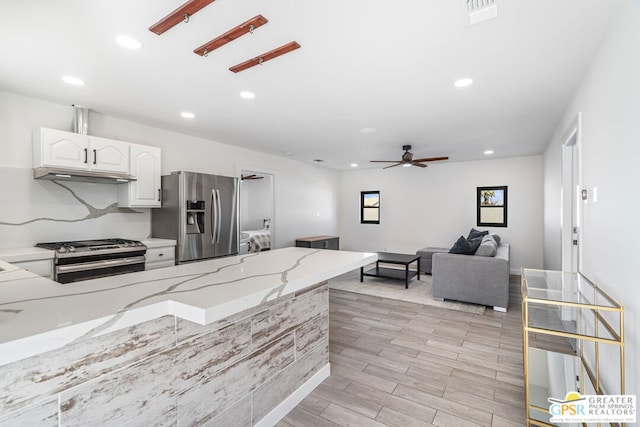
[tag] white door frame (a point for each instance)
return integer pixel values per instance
(571, 204)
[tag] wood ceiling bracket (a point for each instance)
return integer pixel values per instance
(183, 13)
(232, 34)
(260, 59)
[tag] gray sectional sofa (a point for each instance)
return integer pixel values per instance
(471, 278)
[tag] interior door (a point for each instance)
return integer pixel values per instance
(226, 233)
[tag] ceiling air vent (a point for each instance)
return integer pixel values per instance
(480, 10)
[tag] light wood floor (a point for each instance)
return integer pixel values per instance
(401, 364)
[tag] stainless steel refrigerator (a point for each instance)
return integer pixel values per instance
(200, 212)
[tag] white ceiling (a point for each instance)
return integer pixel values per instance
(388, 65)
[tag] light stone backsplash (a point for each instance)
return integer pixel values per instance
(172, 372)
(36, 211)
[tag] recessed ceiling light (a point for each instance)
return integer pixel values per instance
(354, 165)
(463, 82)
(247, 94)
(488, 152)
(187, 115)
(128, 42)
(368, 131)
(73, 80)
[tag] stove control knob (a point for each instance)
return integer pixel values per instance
(139, 244)
(72, 248)
(62, 249)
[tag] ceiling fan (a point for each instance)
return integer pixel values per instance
(252, 176)
(408, 160)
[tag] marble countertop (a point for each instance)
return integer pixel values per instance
(38, 315)
(25, 254)
(152, 242)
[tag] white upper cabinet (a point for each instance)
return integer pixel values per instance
(58, 148)
(108, 155)
(145, 165)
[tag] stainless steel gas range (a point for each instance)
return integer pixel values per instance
(90, 259)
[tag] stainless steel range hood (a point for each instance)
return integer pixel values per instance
(82, 175)
(81, 125)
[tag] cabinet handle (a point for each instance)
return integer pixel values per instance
(160, 254)
(95, 156)
(159, 191)
(85, 155)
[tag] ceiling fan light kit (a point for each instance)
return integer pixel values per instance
(184, 12)
(408, 160)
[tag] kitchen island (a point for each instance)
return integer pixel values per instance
(239, 339)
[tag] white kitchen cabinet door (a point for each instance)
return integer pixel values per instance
(160, 257)
(42, 267)
(58, 148)
(108, 155)
(146, 167)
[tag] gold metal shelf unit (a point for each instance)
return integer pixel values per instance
(573, 340)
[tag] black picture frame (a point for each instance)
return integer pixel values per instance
(370, 207)
(492, 206)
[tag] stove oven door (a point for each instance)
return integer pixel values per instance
(77, 271)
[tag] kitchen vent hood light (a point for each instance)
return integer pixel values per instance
(82, 175)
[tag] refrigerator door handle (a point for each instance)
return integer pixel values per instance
(219, 216)
(214, 217)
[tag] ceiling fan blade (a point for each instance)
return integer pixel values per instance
(181, 14)
(420, 165)
(430, 159)
(387, 167)
(384, 161)
(231, 35)
(258, 60)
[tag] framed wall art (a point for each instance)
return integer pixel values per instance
(492, 206)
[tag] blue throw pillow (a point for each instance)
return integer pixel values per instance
(464, 246)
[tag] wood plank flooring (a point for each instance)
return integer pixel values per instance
(395, 363)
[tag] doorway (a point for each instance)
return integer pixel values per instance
(571, 211)
(257, 225)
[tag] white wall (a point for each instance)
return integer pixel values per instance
(609, 99)
(434, 206)
(305, 194)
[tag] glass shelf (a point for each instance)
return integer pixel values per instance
(571, 304)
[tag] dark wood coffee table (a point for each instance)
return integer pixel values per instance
(393, 273)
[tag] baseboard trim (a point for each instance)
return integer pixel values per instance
(280, 411)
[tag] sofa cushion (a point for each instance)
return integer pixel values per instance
(488, 247)
(465, 246)
(473, 234)
(496, 238)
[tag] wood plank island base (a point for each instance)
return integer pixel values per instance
(394, 273)
(234, 340)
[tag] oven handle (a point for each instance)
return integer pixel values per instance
(96, 265)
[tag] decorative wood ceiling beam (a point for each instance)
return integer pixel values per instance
(260, 59)
(180, 14)
(232, 34)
